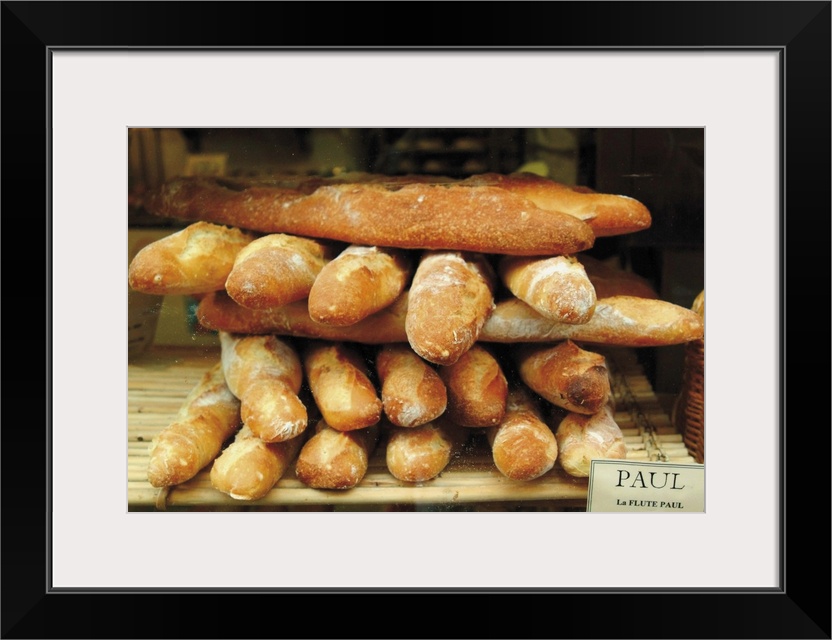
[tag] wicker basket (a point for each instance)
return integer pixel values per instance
(689, 408)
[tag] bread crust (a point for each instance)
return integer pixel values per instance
(333, 459)
(522, 445)
(405, 213)
(477, 389)
(583, 438)
(566, 375)
(265, 373)
(421, 453)
(556, 287)
(357, 283)
(340, 384)
(194, 260)
(412, 392)
(275, 270)
(450, 298)
(209, 415)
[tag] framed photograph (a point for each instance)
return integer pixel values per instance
(754, 77)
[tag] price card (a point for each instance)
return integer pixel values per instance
(648, 487)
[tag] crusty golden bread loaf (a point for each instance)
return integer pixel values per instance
(556, 287)
(450, 298)
(339, 380)
(333, 459)
(566, 375)
(607, 214)
(477, 388)
(265, 373)
(357, 283)
(522, 445)
(624, 321)
(209, 415)
(276, 269)
(421, 453)
(408, 213)
(583, 438)
(412, 392)
(248, 468)
(196, 259)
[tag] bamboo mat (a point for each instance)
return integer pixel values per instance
(160, 379)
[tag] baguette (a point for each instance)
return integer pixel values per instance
(407, 213)
(209, 415)
(357, 283)
(477, 389)
(412, 393)
(566, 375)
(195, 260)
(265, 373)
(557, 287)
(275, 270)
(419, 454)
(606, 214)
(522, 445)
(218, 312)
(582, 438)
(340, 384)
(623, 321)
(610, 281)
(248, 468)
(450, 298)
(333, 459)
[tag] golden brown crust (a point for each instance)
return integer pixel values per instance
(405, 213)
(357, 283)
(209, 415)
(583, 438)
(566, 375)
(412, 392)
(275, 270)
(248, 468)
(556, 287)
(265, 373)
(610, 281)
(421, 453)
(339, 380)
(620, 320)
(477, 389)
(450, 298)
(195, 260)
(333, 459)
(522, 445)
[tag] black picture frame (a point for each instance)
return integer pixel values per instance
(799, 31)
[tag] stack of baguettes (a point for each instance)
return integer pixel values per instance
(404, 312)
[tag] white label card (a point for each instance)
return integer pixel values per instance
(650, 487)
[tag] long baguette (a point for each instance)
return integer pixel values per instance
(333, 459)
(522, 445)
(409, 214)
(340, 384)
(265, 373)
(209, 415)
(584, 438)
(412, 392)
(626, 321)
(419, 454)
(477, 388)
(195, 260)
(566, 375)
(357, 283)
(248, 468)
(276, 269)
(450, 298)
(556, 287)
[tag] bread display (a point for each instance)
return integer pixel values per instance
(419, 312)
